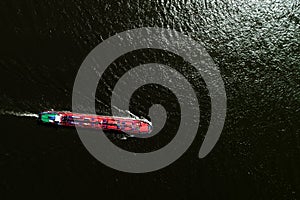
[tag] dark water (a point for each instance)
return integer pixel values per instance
(256, 46)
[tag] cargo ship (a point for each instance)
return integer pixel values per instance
(129, 125)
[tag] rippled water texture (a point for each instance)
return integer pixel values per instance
(254, 43)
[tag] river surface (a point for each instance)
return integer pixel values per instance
(256, 46)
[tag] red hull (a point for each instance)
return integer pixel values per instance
(118, 124)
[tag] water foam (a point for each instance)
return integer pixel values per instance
(19, 114)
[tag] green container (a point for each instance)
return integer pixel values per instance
(47, 117)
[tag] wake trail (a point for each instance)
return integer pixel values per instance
(19, 114)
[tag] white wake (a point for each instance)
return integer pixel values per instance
(19, 114)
